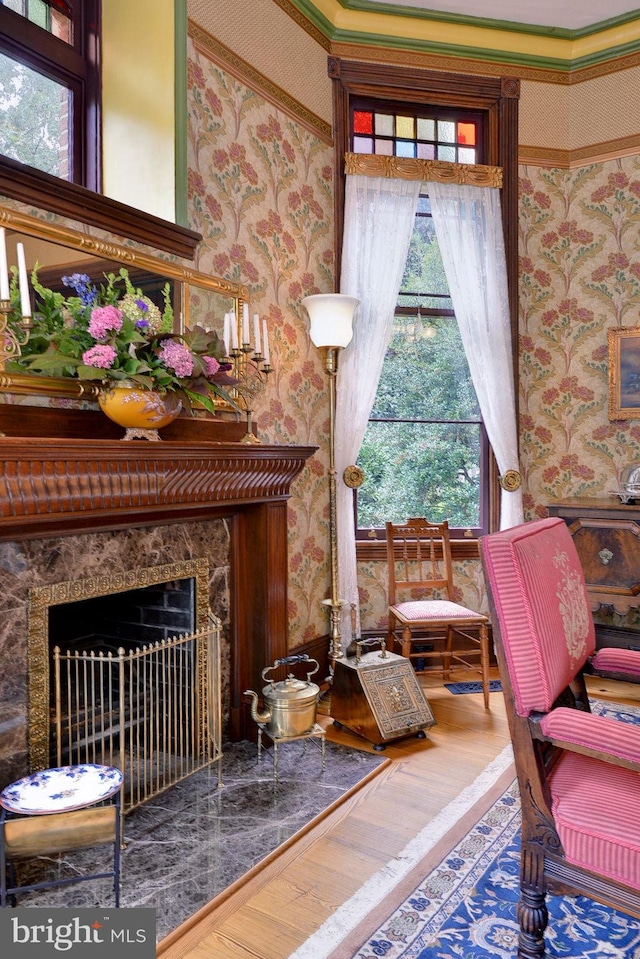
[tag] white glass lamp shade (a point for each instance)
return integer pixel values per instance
(331, 316)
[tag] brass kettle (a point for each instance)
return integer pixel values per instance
(290, 705)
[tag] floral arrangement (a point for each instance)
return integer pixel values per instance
(114, 333)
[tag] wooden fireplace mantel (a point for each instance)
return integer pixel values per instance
(64, 486)
(60, 487)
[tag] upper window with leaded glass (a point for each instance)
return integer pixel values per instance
(420, 133)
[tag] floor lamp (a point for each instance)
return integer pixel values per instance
(331, 329)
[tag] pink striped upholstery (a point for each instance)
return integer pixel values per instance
(433, 610)
(538, 587)
(597, 815)
(611, 660)
(595, 732)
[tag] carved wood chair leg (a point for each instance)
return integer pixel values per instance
(532, 911)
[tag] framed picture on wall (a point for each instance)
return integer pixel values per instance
(624, 373)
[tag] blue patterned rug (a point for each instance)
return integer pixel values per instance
(465, 908)
(458, 689)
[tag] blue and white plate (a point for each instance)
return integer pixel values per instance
(61, 789)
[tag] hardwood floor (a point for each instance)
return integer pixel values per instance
(271, 911)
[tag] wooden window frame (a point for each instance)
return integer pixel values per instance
(497, 97)
(80, 201)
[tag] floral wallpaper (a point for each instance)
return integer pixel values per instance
(261, 194)
(579, 277)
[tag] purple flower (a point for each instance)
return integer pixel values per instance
(176, 357)
(104, 319)
(81, 283)
(211, 365)
(101, 356)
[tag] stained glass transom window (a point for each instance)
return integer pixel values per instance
(426, 137)
(54, 16)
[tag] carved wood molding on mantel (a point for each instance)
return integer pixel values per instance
(65, 486)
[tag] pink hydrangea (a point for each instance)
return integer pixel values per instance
(104, 320)
(211, 365)
(176, 357)
(101, 356)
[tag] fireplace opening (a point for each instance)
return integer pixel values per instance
(128, 619)
(131, 676)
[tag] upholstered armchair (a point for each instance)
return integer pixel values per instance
(578, 772)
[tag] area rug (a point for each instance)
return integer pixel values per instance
(459, 689)
(459, 900)
(186, 846)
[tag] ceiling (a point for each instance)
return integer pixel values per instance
(566, 14)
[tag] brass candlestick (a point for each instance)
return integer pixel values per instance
(12, 336)
(251, 370)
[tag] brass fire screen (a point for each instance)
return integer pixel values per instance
(154, 712)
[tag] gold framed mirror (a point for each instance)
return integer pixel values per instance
(198, 299)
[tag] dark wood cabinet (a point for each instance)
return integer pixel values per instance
(607, 537)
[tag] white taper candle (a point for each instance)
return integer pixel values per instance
(25, 301)
(234, 330)
(256, 333)
(245, 323)
(4, 271)
(225, 334)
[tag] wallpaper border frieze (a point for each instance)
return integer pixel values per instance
(584, 156)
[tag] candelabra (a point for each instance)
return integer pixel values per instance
(12, 336)
(331, 316)
(251, 364)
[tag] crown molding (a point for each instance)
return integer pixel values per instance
(449, 63)
(361, 24)
(510, 26)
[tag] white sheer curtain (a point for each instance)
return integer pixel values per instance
(378, 222)
(468, 227)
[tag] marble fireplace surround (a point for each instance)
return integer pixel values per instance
(74, 508)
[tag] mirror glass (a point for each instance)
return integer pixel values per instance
(57, 251)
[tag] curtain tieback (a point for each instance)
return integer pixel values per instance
(353, 477)
(511, 481)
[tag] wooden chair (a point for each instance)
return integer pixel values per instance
(428, 624)
(577, 771)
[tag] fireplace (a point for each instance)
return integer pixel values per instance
(131, 665)
(103, 507)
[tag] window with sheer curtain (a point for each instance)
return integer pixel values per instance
(425, 451)
(405, 112)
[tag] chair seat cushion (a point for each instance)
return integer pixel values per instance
(617, 661)
(435, 611)
(596, 807)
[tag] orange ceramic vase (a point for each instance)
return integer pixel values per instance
(139, 411)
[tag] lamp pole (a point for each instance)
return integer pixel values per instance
(331, 329)
(334, 603)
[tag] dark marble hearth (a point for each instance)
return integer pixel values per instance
(186, 846)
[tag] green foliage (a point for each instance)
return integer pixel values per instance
(30, 106)
(113, 332)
